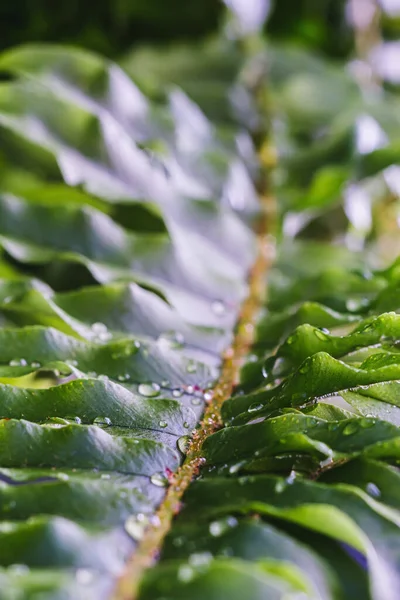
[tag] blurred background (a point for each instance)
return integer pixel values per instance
(114, 27)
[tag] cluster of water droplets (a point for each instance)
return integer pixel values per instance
(136, 525)
(100, 332)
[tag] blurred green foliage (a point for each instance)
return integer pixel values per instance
(117, 25)
(109, 26)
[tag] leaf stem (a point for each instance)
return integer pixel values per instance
(149, 547)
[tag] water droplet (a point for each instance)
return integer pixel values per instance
(72, 363)
(366, 423)
(18, 362)
(124, 377)
(186, 425)
(174, 338)
(191, 367)
(373, 490)
(279, 367)
(177, 393)
(195, 401)
(105, 476)
(103, 378)
(77, 420)
(218, 308)
(280, 486)
(92, 374)
(208, 395)
(163, 424)
(185, 573)
(327, 461)
(291, 478)
(135, 526)
(159, 480)
(84, 576)
(200, 559)
(35, 364)
(256, 406)
(149, 390)
(165, 383)
(320, 335)
(136, 344)
(236, 467)
(98, 328)
(63, 476)
(184, 443)
(217, 528)
(102, 422)
(350, 428)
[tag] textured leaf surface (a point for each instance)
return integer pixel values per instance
(127, 237)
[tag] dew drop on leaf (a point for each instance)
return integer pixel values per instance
(236, 467)
(149, 390)
(291, 478)
(321, 335)
(366, 423)
(256, 406)
(98, 328)
(102, 422)
(218, 308)
(77, 420)
(159, 480)
(218, 528)
(174, 339)
(185, 573)
(72, 363)
(84, 576)
(124, 377)
(373, 490)
(35, 364)
(200, 559)
(350, 428)
(191, 367)
(18, 362)
(163, 424)
(177, 393)
(135, 526)
(184, 443)
(280, 486)
(208, 395)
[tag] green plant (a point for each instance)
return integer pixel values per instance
(132, 240)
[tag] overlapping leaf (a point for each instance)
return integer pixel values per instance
(116, 301)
